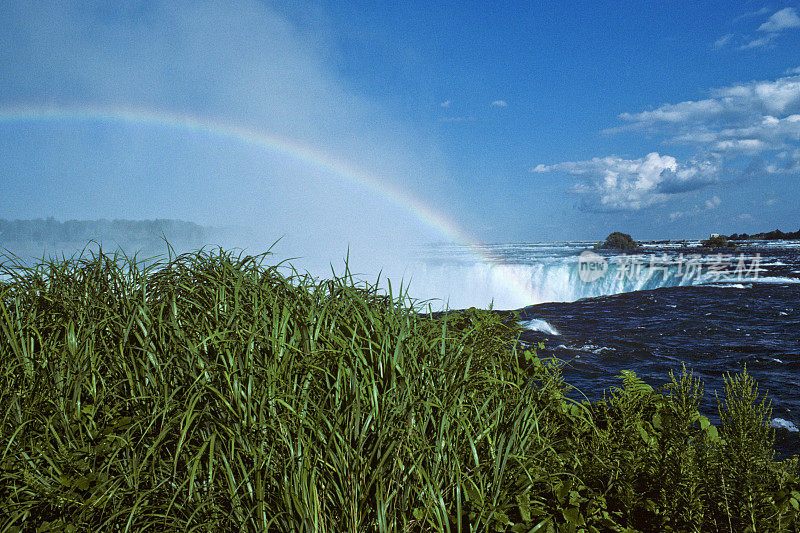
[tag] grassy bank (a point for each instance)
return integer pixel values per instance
(218, 394)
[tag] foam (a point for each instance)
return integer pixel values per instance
(780, 423)
(537, 324)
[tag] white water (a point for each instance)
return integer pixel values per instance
(512, 286)
(519, 275)
(780, 423)
(537, 324)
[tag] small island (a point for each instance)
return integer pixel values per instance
(717, 241)
(618, 241)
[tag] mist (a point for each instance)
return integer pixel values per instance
(239, 63)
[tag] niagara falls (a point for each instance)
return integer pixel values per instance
(420, 267)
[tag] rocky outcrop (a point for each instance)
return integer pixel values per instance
(619, 241)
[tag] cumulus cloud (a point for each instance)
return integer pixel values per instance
(745, 130)
(779, 96)
(747, 119)
(613, 183)
(769, 133)
(446, 103)
(781, 20)
(499, 103)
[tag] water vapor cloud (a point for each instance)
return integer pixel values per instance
(238, 62)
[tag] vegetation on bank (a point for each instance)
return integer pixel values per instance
(213, 393)
(718, 241)
(619, 241)
(775, 235)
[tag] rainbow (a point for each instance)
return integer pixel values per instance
(279, 145)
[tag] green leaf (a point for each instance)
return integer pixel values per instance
(573, 516)
(643, 433)
(562, 491)
(501, 521)
(657, 421)
(472, 492)
(524, 502)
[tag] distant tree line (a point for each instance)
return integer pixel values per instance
(82, 231)
(776, 235)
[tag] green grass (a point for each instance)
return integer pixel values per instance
(213, 393)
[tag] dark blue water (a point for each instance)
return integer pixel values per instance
(711, 328)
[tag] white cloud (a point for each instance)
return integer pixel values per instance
(795, 70)
(781, 20)
(722, 41)
(751, 14)
(691, 212)
(773, 27)
(458, 119)
(746, 146)
(776, 97)
(763, 134)
(446, 103)
(499, 103)
(759, 42)
(746, 216)
(759, 120)
(612, 183)
(755, 119)
(727, 103)
(788, 162)
(677, 113)
(713, 202)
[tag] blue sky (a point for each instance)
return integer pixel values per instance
(520, 121)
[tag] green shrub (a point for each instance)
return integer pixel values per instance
(213, 393)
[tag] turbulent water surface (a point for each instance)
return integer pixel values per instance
(667, 305)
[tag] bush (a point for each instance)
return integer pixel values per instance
(212, 393)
